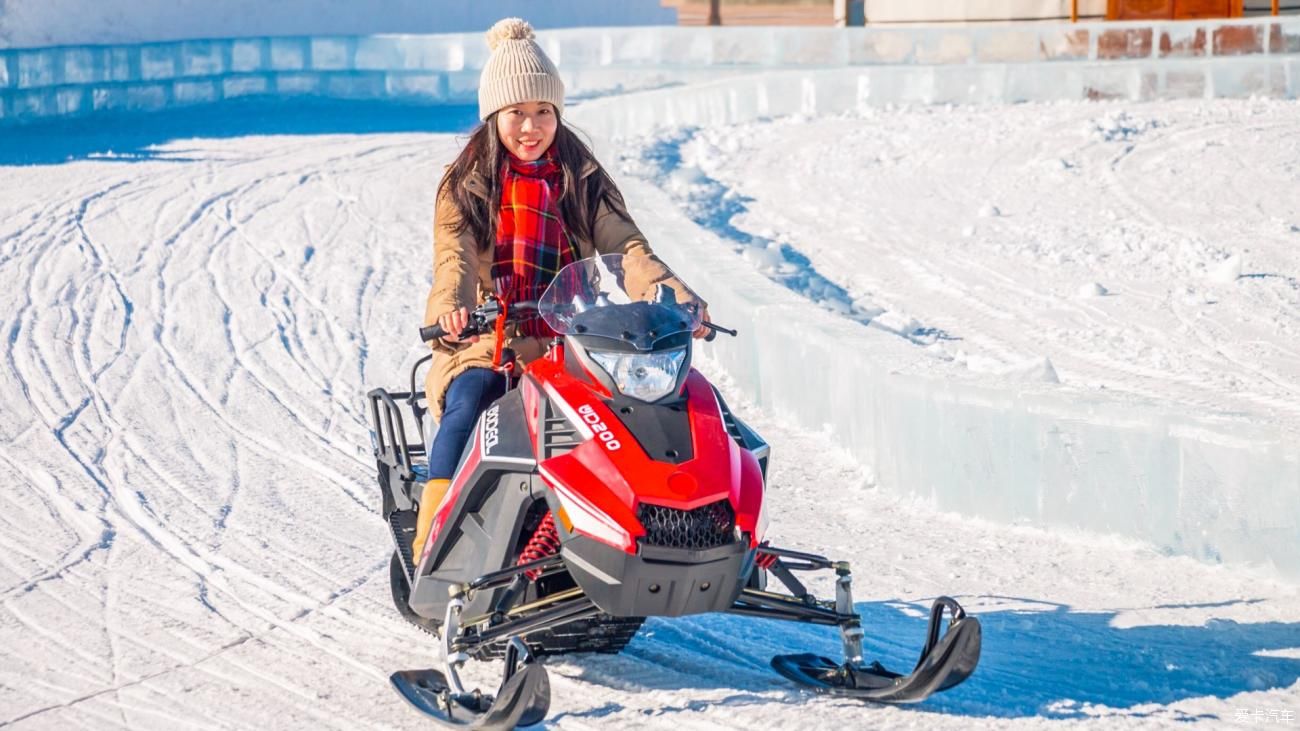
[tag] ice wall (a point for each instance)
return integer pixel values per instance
(78, 80)
(832, 91)
(981, 63)
(36, 23)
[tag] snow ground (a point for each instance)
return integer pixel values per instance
(191, 537)
(1148, 250)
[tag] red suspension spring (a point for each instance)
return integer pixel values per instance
(545, 542)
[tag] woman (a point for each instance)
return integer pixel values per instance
(522, 200)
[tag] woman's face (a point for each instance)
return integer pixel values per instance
(527, 130)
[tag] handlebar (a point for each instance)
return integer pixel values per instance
(482, 320)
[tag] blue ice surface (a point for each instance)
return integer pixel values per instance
(1048, 661)
(135, 136)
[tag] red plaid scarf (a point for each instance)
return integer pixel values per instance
(532, 242)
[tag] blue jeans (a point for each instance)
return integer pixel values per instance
(469, 395)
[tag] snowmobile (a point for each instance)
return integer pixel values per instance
(610, 483)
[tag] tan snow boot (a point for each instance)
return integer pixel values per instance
(430, 499)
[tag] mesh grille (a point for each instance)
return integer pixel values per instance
(709, 526)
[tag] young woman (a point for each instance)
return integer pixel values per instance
(522, 200)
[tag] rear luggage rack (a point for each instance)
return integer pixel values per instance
(401, 461)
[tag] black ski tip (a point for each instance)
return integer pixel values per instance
(949, 663)
(523, 700)
(965, 653)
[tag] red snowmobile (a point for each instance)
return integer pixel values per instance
(610, 484)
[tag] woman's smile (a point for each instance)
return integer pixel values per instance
(528, 129)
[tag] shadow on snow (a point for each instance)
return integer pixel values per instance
(133, 137)
(1053, 662)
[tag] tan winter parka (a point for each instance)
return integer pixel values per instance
(462, 277)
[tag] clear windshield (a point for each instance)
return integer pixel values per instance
(611, 280)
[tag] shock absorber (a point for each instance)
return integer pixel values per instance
(851, 631)
(545, 542)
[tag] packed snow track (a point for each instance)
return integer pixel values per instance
(189, 536)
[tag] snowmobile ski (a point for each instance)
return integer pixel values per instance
(944, 663)
(523, 699)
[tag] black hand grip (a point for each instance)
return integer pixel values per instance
(432, 332)
(715, 329)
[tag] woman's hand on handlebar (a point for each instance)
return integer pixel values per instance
(702, 331)
(453, 323)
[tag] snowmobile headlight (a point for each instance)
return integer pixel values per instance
(644, 376)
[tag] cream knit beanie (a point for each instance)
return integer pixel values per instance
(518, 70)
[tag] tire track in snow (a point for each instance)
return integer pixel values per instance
(71, 419)
(1175, 146)
(228, 220)
(41, 251)
(67, 422)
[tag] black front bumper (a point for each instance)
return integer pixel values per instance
(658, 581)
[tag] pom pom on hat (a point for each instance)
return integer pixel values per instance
(509, 29)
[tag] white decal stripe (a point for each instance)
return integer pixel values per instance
(569, 413)
(585, 516)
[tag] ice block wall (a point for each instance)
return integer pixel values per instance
(980, 63)
(846, 89)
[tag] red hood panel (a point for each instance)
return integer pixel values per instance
(613, 474)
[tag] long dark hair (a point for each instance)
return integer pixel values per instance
(579, 198)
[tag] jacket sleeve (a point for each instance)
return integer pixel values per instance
(455, 268)
(617, 234)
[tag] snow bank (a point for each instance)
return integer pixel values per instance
(34, 23)
(1218, 488)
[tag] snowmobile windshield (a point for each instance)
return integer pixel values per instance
(617, 297)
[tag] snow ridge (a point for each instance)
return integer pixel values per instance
(681, 162)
